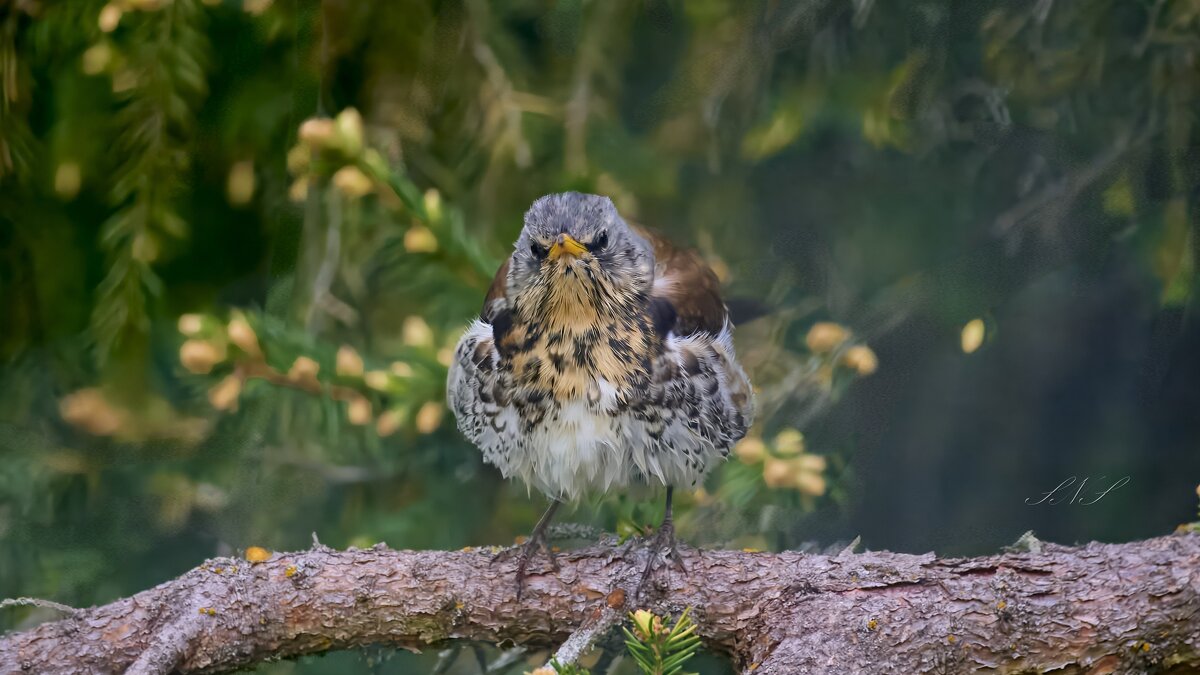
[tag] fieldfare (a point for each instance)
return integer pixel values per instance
(602, 358)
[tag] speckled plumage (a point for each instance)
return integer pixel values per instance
(605, 367)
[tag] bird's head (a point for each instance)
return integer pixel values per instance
(575, 252)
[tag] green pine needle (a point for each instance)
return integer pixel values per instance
(658, 651)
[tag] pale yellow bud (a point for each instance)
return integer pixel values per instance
(190, 324)
(643, 623)
(810, 483)
(429, 417)
(110, 16)
(750, 450)
(379, 380)
(349, 363)
(242, 334)
(224, 395)
(416, 333)
(68, 177)
(812, 463)
(317, 132)
(199, 356)
(825, 336)
(298, 191)
(145, 247)
(304, 369)
(445, 356)
(789, 442)
(89, 409)
(433, 204)
(239, 186)
(358, 411)
(299, 158)
(861, 359)
(349, 126)
(352, 182)
(420, 239)
(401, 369)
(389, 423)
(256, 7)
(972, 335)
(96, 58)
(777, 472)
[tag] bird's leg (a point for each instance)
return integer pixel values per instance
(664, 539)
(536, 540)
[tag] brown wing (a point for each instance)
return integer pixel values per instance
(495, 309)
(496, 292)
(684, 285)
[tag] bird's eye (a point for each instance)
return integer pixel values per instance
(599, 242)
(537, 250)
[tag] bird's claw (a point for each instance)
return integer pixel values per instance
(524, 553)
(663, 542)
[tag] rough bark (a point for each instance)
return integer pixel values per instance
(1099, 608)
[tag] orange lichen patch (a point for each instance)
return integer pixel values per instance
(872, 624)
(616, 598)
(257, 554)
(951, 639)
(290, 571)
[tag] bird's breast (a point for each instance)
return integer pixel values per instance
(577, 361)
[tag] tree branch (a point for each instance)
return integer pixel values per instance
(1099, 608)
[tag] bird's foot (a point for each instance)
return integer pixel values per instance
(662, 544)
(524, 553)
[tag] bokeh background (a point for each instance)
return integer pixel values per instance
(238, 239)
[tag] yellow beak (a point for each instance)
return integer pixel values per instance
(566, 245)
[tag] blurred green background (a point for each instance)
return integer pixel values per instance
(238, 239)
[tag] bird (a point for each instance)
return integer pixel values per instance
(602, 358)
